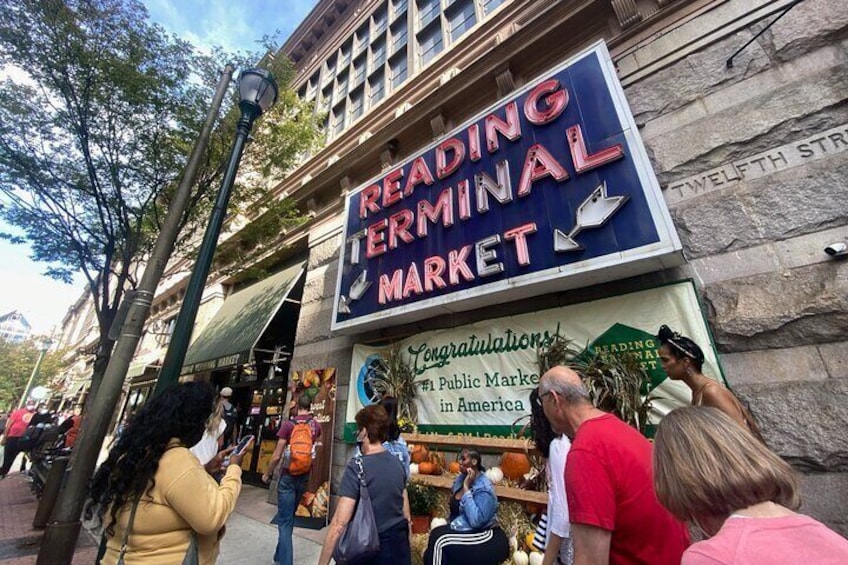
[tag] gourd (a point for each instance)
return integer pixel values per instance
(528, 540)
(495, 474)
(520, 558)
(420, 454)
(515, 465)
(536, 558)
(436, 522)
(427, 468)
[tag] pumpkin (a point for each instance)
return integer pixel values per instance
(419, 454)
(515, 465)
(413, 468)
(495, 474)
(427, 468)
(454, 467)
(520, 558)
(536, 558)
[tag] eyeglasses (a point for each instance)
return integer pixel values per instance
(541, 397)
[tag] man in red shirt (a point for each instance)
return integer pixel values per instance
(614, 512)
(15, 428)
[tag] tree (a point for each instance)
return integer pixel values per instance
(96, 121)
(17, 361)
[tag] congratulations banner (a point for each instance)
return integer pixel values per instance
(476, 379)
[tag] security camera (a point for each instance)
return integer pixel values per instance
(837, 249)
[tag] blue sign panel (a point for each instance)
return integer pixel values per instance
(546, 191)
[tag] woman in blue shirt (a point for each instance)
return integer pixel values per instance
(472, 534)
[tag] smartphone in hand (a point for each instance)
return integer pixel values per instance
(243, 444)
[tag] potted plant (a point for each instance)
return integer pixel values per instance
(422, 500)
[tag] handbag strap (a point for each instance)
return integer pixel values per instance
(126, 539)
(360, 473)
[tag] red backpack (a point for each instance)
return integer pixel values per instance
(300, 447)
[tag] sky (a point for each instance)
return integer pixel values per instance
(232, 25)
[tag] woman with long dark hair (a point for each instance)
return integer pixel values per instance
(554, 448)
(152, 480)
(682, 360)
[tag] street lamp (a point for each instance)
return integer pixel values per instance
(45, 345)
(257, 93)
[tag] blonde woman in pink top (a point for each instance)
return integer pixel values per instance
(712, 472)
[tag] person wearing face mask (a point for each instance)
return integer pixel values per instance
(472, 534)
(385, 481)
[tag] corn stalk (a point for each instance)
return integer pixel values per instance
(394, 377)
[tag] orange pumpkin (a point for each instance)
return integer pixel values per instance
(515, 465)
(420, 454)
(454, 467)
(427, 468)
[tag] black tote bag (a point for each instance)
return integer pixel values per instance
(360, 540)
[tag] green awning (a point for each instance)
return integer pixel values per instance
(231, 335)
(140, 364)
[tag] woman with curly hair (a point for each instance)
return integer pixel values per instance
(682, 360)
(152, 494)
(554, 448)
(743, 496)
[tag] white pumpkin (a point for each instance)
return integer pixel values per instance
(495, 474)
(436, 522)
(520, 558)
(413, 468)
(536, 558)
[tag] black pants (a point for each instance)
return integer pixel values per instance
(10, 451)
(486, 547)
(394, 547)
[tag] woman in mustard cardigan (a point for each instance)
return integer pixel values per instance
(180, 509)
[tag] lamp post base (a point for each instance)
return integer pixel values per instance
(57, 537)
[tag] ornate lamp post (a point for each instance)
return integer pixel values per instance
(257, 92)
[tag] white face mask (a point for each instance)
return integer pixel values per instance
(360, 437)
(42, 411)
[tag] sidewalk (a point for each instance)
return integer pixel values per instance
(250, 538)
(19, 542)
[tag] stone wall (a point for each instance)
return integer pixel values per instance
(754, 233)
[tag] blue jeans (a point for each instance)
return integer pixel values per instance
(289, 492)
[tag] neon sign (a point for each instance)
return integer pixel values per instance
(549, 190)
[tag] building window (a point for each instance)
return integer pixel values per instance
(397, 67)
(377, 86)
(330, 69)
(490, 6)
(398, 34)
(398, 8)
(360, 39)
(428, 10)
(380, 20)
(337, 122)
(312, 89)
(341, 89)
(460, 18)
(357, 99)
(326, 99)
(344, 55)
(429, 43)
(358, 72)
(378, 54)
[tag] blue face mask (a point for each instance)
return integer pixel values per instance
(360, 437)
